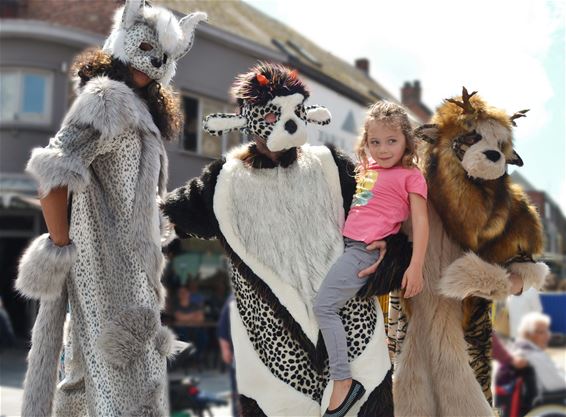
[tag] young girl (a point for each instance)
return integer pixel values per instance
(389, 187)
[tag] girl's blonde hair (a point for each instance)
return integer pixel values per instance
(392, 115)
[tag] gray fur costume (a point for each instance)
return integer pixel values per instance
(110, 155)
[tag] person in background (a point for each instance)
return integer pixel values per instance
(520, 305)
(188, 315)
(227, 351)
(503, 356)
(533, 337)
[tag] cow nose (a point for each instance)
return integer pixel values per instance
(156, 62)
(291, 126)
(493, 156)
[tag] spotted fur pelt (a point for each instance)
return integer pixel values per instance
(113, 284)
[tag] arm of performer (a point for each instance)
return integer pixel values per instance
(191, 207)
(413, 278)
(54, 207)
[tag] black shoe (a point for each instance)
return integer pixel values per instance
(356, 392)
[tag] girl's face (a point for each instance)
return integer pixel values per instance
(386, 143)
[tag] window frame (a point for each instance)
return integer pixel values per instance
(20, 117)
(227, 107)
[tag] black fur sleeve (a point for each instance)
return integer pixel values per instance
(389, 274)
(346, 170)
(190, 207)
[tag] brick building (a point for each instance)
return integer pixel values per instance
(39, 40)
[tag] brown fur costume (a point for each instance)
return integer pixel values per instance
(481, 228)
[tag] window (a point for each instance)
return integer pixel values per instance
(197, 140)
(191, 129)
(25, 96)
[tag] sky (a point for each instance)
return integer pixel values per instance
(511, 51)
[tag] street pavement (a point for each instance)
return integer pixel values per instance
(13, 366)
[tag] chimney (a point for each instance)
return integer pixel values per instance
(411, 98)
(411, 93)
(363, 65)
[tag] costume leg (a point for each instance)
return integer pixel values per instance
(477, 331)
(456, 388)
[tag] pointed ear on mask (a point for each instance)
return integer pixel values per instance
(132, 10)
(318, 114)
(217, 124)
(188, 25)
(427, 132)
(515, 160)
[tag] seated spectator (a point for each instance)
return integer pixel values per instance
(188, 314)
(533, 337)
(504, 357)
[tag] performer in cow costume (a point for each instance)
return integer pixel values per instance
(278, 205)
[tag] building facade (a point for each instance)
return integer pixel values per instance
(40, 39)
(554, 226)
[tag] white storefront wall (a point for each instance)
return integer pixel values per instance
(347, 118)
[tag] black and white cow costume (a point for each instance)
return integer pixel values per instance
(280, 224)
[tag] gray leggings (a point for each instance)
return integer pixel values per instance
(340, 285)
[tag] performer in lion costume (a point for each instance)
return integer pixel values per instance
(483, 236)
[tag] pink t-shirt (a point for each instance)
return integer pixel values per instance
(381, 202)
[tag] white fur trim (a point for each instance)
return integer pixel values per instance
(169, 73)
(533, 274)
(221, 123)
(247, 202)
(369, 368)
(44, 268)
(275, 397)
(114, 45)
(51, 168)
(470, 275)
(318, 114)
(168, 31)
(110, 107)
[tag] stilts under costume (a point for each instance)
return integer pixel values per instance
(109, 153)
(482, 228)
(280, 223)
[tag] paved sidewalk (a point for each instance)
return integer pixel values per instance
(13, 368)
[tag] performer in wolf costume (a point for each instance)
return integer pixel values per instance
(483, 236)
(109, 154)
(277, 205)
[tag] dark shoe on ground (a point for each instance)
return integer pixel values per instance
(356, 392)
